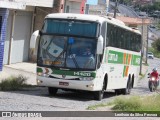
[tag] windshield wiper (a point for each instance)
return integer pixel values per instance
(75, 61)
(73, 58)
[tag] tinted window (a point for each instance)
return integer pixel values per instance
(71, 27)
(121, 38)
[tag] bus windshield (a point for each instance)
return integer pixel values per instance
(71, 27)
(67, 52)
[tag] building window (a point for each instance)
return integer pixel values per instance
(67, 9)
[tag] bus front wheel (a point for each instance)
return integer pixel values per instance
(52, 90)
(98, 95)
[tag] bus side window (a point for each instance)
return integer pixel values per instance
(114, 36)
(120, 38)
(110, 34)
(138, 41)
(132, 42)
(126, 40)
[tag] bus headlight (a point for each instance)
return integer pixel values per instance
(39, 73)
(86, 78)
(42, 74)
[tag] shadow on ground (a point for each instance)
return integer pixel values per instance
(61, 94)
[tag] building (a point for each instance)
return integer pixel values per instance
(100, 9)
(18, 20)
(22, 17)
(74, 6)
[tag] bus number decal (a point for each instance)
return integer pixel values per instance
(82, 74)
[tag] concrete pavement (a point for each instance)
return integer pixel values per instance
(29, 70)
(25, 69)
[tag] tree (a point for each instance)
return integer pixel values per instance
(156, 45)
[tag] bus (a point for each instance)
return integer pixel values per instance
(63, 61)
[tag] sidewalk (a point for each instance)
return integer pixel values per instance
(25, 69)
(29, 70)
(144, 69)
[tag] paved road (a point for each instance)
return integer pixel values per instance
(127, 11)
(38, 98)
(155, 31)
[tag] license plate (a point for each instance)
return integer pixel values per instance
(64, 83)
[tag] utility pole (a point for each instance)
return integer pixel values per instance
(147, 45)
(115, 9)
(147, 40)
(87, 9)
(107, 6)
(140, 72)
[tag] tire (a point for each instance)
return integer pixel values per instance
(151, 86)
(118, 91)
(127, 90)
(98, 95)
(52, 91)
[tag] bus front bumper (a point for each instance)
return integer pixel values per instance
(66, 84)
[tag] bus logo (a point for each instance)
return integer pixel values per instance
(113, 57)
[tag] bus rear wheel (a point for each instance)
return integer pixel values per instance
(127, 90)
(52, 90)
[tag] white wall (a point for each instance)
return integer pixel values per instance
(74, 7)
(43, 3)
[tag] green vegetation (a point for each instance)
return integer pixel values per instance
(13, 83)
(134, 103)
(126, 2)
(141, 76)
(155, 48)
(137, 103)
(94, 107)
(149, 8)
(127, 104)
(158, 25)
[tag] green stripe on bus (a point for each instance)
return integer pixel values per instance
(115, 57)
(136, 60)
(70, 73)
(39, 70)
(124, 70)
(74, 73)
(127, 59)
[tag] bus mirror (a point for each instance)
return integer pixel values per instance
(34, 41)
(100, 45)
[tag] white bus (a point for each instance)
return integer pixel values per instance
(87, 52)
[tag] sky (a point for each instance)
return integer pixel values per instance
(92, 2)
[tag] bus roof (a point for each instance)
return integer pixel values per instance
(93, 18)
